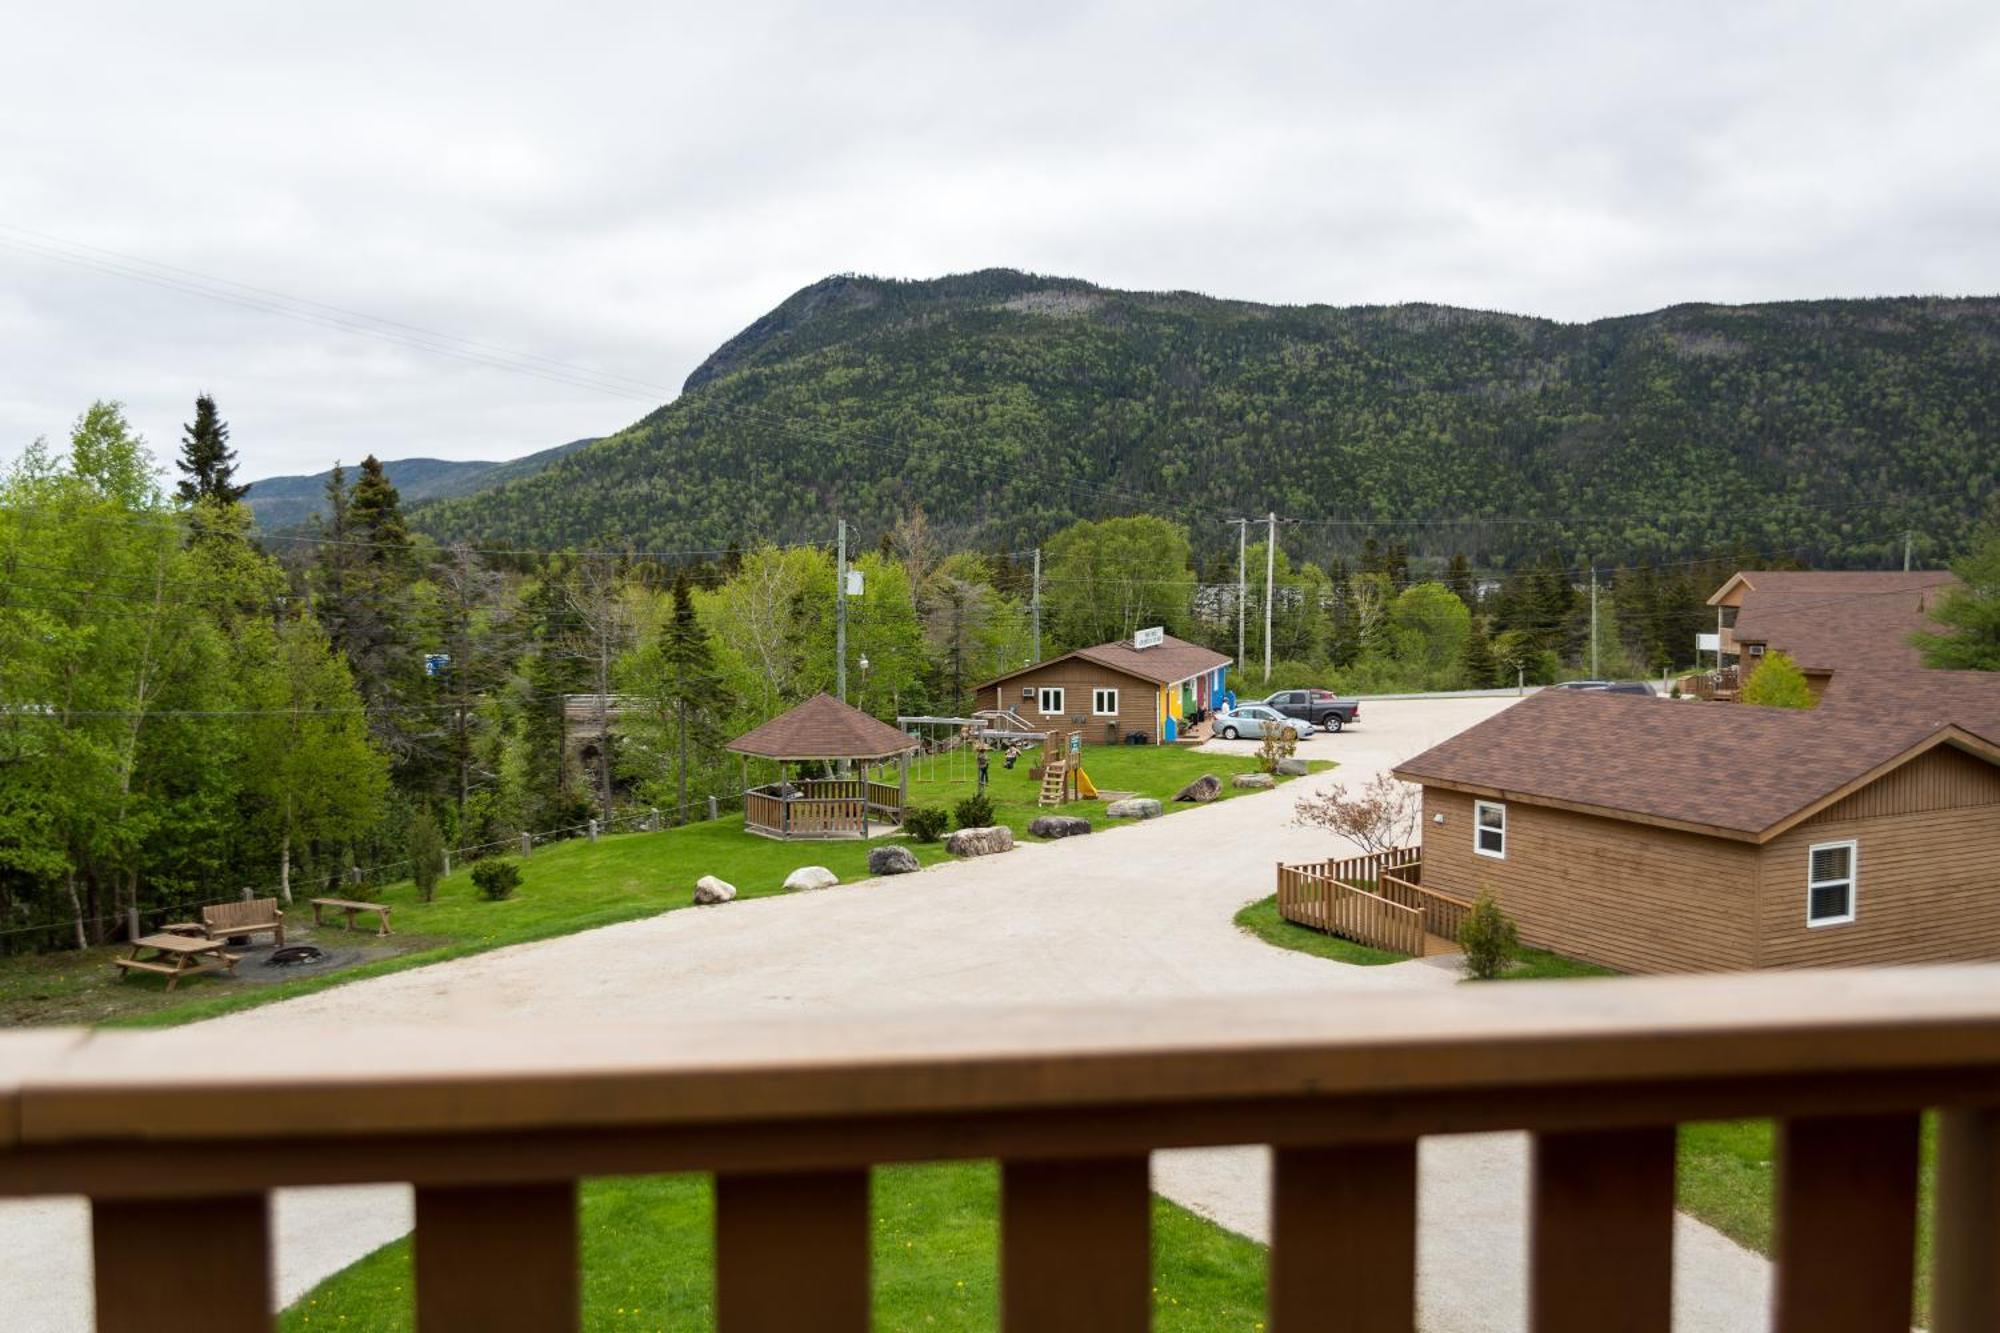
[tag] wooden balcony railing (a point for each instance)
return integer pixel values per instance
(176, 1137)
(1324, 903)
(1443, 914)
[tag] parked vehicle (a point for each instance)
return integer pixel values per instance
(1248, 721)
(1322, 708)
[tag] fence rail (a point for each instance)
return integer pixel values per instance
(1443, 914)
(1344, 897)
(494, 1124)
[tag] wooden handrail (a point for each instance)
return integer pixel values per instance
(494, 1123)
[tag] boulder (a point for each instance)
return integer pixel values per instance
(1293, 768)
(1135, 807)
(1058, 826)
(708, 889)
(892, 861)
(1254, 781)
(1203, 789)
(806, 878)
(980, 841)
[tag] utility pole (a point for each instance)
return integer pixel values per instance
(1593, 622)
(840, 615)
(1242, 588)
(1038, 604)
(1908, 537)
(1270, 578)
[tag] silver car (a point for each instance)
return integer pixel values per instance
(1247, 722)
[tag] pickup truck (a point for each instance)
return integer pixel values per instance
(1322, 708)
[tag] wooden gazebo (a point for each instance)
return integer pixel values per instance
(825, 730)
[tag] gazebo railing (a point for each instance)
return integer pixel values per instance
(822, 807)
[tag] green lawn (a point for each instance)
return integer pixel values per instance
(1262, 920)
(648, 1261)
(572, 886)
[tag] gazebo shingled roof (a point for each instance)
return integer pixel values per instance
(823, 728)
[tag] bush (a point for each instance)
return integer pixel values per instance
(1489, 939)
(1278, 745)
(497, 879)
(426, 847)
(974, 812)
(1778, 683)
(925, 823)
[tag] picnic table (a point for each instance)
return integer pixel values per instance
(177, 956)
(348, 907)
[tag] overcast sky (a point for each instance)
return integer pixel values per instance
(621, 187)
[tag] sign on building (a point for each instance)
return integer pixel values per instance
(1149, 638)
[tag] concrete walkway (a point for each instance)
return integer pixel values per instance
(1129, 912)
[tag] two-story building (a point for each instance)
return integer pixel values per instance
(1825, 620)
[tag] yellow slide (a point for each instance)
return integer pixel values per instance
(1085, 788)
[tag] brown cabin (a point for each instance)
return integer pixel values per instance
(1149, 686)
(1651, 835)
(1825, 620)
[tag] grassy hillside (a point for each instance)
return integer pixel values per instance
(1007, 404)
(285, 502)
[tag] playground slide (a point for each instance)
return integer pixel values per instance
(1085, 788)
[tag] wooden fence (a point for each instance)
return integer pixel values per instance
(495, 1123)
(1346, 898)
(822, 808)
(1443, 914)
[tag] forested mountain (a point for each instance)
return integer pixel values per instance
(279, 503)
(1007, 405)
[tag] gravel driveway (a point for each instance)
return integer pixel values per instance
(1129, 912)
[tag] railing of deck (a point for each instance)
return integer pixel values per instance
(823, 807)
(177, 1139)
(1443, 914)
(1346, 898)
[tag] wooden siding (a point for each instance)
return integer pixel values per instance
(1138, 700)
(1928, 846)
(1629, 896)
(1945, 779)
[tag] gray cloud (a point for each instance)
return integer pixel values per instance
(623, 187)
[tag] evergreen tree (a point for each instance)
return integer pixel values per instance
(1458, 578)
(1969, 615)
(207, 462)
(1778, 683)
(684, 703)
(1478, 663)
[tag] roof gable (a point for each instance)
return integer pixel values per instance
(1172, 660)
(1832, 620)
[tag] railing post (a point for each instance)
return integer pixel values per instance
(527, 844)
(1965, 1286)
(1846, 1224)
(1344, 1238)
(791, 1251)
(1602, 1248)
(181, 1265)
(1075, 1246)
(501, 1258)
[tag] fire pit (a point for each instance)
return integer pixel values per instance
(294, 954)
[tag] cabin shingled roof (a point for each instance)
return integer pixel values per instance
(1736, 769)
(1172, 660)
(823, 728)
(1836, 620)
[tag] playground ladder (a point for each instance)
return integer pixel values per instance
(1052, 782)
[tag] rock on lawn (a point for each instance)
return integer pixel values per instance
(892, 861)
(1254, 781)
(1058, 826)
(980, 841)
(708, 889)
(1204, 788)
(1294, 768)
(806, 878)
(1136, 807)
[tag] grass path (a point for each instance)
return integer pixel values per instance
(648, 1261)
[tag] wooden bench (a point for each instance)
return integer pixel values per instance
(348, 907)
(253, 916)
(177, 956)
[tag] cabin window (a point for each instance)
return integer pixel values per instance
(1489, 829)
(1051, 702)
(1104, 703)
(1830, 877)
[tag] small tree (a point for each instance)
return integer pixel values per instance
(1379, 817)
(426, 846)
(925, 823)
(1968, 617)
(1488, 938)
(1278, 745)
(1778, 684)
(496, 880)
(974, 812)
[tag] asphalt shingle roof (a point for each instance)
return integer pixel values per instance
(1835, 620)
(823, 728)
(1734, 767)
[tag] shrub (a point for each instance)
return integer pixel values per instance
(426, 847)
(1279, 744)
(1379, 817)
(496, 879)
(925, 823)
(974, 811)
(1489, 939)
(1778, 683)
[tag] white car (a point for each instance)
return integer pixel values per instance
(1247, 722)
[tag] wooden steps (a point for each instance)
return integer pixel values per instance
(1052, 782)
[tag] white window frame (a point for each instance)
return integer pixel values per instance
(1852, 880)
(1042, 700)
(1097, 697)
(1478, 807)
